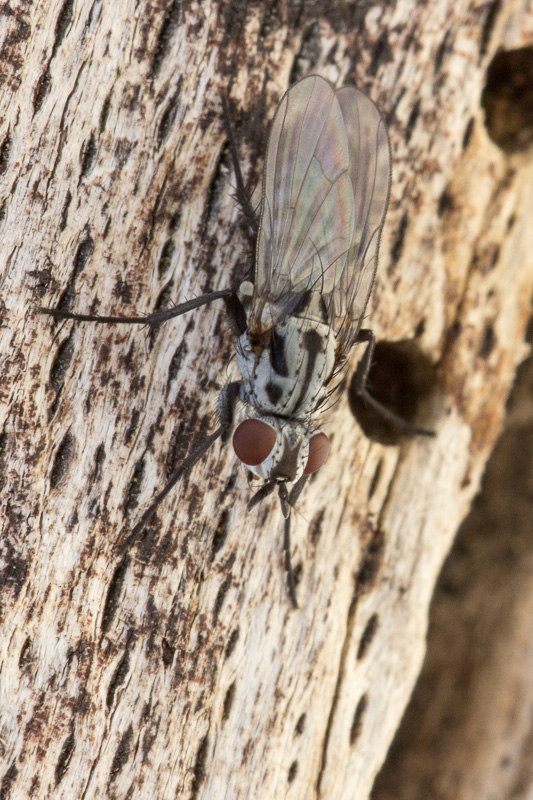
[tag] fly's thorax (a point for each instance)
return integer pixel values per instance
(286, 367)
(278, 449)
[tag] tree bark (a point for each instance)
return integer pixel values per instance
(467, 730)
(180, 669)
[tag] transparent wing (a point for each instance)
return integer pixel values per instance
(324, 196)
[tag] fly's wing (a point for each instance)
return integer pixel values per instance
(325, 193)
(370, 173)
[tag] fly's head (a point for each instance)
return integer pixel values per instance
(280, 450)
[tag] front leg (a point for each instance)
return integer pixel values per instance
(228, 295)
(227, 401)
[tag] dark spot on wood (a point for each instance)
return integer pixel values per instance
(41, 89)
(370, 564)
(5, 152)
(166, 32)
(221, 596)
(83, 253)
(368, 634)
(232, 642)
(381, 54)
(529, 331)
(441, 51)
(199, 767)
(446, 203)
(43, 278)
(64, 211)
(469, 130)
(132, 426)
(228, 702)
(165, 260)
(488, 341)
(412, 119)
(134, 488)
(315, 528)
(8, 781)
(420, 328)
(169, 115)
(399, 239)
(114, 590)
(61, 362)
(64, 757)
(309, 50)
(299, 728)
(122, 150)
(26, 655)
(293, 771)
(99, 458)
(123, 753)
(221, 531)
(64, 19)
(375, 479)
(454, 331)
(62, 460)
(357, 723)
(88, 154)
(119, 676)
(167, 652)
(104, 114)
(4, 442)
(122, 291)
(493, 9)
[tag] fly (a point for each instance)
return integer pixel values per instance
(324, 195)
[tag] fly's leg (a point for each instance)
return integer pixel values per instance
(296, 490)
(226, 403)
(261, 494)
(292, 499)
(284, 498)
(228, 295)
(361, 378)
(240, 192)
(291, 580)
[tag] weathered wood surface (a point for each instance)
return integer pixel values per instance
(182, 671)
(467, 730)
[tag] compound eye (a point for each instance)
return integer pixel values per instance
(253, 441)
(318, 453)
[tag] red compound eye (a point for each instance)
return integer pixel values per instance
(318, 453)
(253, 441)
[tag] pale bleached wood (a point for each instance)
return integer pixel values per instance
(183, 671)
(467, 730)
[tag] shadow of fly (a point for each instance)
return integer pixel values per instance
(324, 196)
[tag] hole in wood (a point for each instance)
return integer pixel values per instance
(507, 99)
(400, 378)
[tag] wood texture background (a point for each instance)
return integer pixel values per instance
(181, 670)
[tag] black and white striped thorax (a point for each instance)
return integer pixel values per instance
(286, 370)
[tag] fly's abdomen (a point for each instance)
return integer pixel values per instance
(286, 375)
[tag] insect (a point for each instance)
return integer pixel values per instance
(324, 195)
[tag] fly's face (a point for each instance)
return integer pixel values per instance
(280, 450)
